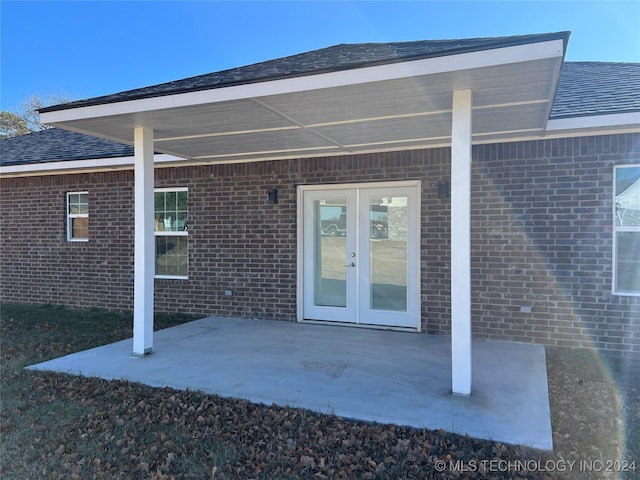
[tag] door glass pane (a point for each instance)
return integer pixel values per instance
(388, 237)
(330, 228)
(628, 262)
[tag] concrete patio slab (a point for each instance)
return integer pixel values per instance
(372, 375)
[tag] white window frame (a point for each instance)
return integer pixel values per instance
(617, 229)
(170, 233)
(71, 216)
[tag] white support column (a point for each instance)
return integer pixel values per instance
(144, 242)
(461, 243)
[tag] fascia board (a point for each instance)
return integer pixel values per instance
(444, 64)
(68, 166)
(629, 120)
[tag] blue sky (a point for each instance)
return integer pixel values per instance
(83, 49)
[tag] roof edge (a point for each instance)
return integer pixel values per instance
(492, 43)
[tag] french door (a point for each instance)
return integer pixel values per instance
(360, 254)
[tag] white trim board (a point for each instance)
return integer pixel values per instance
(59, 167)
(615, 120)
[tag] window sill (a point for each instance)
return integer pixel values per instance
(626, 294)
(170, 277)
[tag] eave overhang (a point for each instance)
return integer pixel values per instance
(396, 106)
(65, 167)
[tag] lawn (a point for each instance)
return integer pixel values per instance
(57, 426)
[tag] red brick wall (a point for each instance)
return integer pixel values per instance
(39, 265)
(542, 237)
(553, 256)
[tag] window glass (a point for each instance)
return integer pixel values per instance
(170, 211)
(171, 215)
(78, 216)
(171, 256)
(628, 262)
(78, 203)
(628, 196)
(627, 230)
(80, 227)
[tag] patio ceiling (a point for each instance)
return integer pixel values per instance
(396, 106)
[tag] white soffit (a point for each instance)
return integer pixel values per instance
(387, 107)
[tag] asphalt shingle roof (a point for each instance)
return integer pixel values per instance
(338, 57)
(597, 88)
(56, 145)
(584, 88)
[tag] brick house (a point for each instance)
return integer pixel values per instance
(479, 187)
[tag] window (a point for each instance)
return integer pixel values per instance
(172, 256)
(626, 230)
(78, 216)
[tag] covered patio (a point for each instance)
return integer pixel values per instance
(371, 375)
(338, 101)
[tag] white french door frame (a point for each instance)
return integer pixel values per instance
(413, 280)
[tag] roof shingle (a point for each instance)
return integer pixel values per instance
(584, 88)
(597, 88)
(55, 145)
(338, 57)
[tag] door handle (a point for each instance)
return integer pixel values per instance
(352, 264)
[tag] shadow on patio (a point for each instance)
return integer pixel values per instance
(371, 375)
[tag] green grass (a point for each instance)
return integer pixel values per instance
(57, 426)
